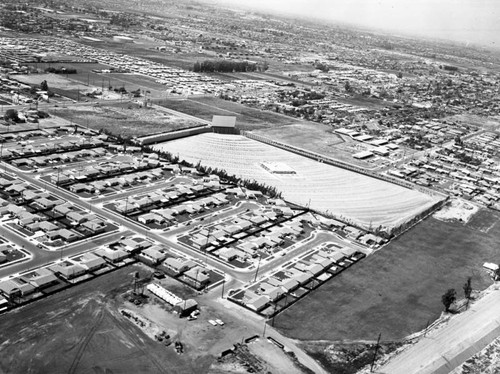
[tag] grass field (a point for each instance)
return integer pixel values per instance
(86, 78)
(315, 137)
(125, 119)
(397, 291)
(345, 194)
(246, 118)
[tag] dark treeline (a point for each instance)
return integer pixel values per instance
(61, 70)
(226, 66)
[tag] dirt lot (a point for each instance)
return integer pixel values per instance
(86, 80)
(247, 118)
(397, 291)
(82, 330)
(346, 358)
(486, 123)
(125, 119)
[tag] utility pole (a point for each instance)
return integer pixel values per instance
(275, 307)
(223, 281)
(375, 353)
(206, 245)
(257, 270)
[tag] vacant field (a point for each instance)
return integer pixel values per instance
(487, 123)
(340, 192)
(246, 118)
(317, 138)
(69, 86)
(145, 49)
(397, 291)
(87, 80)
(53, 81)
(124, 119)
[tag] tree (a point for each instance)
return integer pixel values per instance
(44, 86)
(449, 298)
(11, 115)
(468, 290)
(347, 86)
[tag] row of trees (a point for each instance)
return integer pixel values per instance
(222, 174)
(227, 66)
(60, 70)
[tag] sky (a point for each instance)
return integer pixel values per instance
(469, 21)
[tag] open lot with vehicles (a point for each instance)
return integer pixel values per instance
(90, 314)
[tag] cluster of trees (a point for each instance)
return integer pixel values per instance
(60, 70)
(44, 86)
(227, 66)
(450, 296)
(323, 67)
(11, 115)
(467, 159)
(448, 67)
(123, 20)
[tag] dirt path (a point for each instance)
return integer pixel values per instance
(447, 347)
(255, 325)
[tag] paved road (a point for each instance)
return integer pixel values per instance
(244, 275)
(42, 257)
(128, 224)
(449, 346)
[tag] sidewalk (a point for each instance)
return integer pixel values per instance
(449, 346)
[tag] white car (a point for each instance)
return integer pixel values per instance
(212, 322)
(219, 322)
